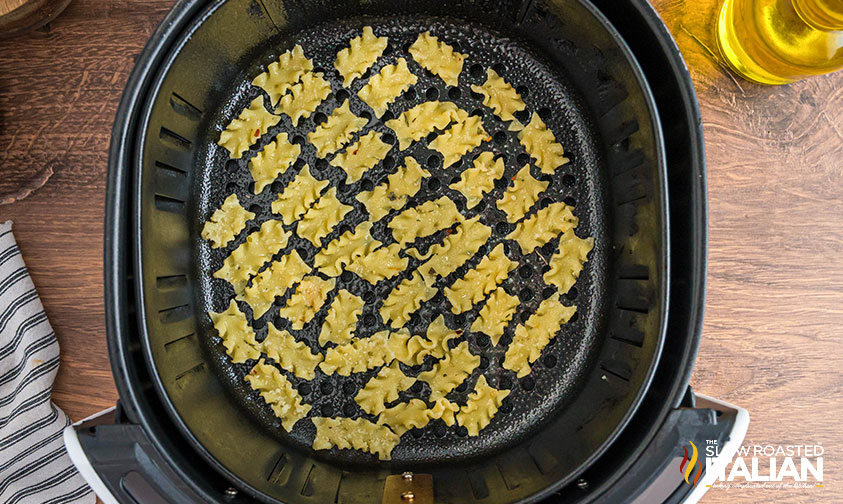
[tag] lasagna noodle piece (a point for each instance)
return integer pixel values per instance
(540, 143)
(531, 337)
(281, 75)
(543, 226)
(493, 318)
(341, 319)
(337, 131)
(362, 155)
(275, 158)
(520, 197)
(438, 57)
(274, 281)
(308, 299)
(451, 371)
(480, 280)
(381, 264)
(322, 217)
(341, 252)
(415, 414)
(362, 354)
(250, 255)
(457, 248)
(480, 178)
(298, 196)
(278, 393)
(414, 124)
(483, 402)
(363, 51)
(405, 299)
(500, 96)
(386, 85)
(424, 220)
(383, 388)
(226, 222)
(393, 194)
(304, 97)
(459, 139)
(293, 356)
(238, 338)
(245, 130)
(567, 263)
(356, 434)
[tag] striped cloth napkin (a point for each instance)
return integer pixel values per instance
(34, 466)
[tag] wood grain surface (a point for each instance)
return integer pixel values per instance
(772, 338)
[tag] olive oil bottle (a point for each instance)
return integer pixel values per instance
(781, 41)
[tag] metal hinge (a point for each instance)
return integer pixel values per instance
(408, 488)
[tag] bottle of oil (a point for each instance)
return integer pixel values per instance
(781, 41)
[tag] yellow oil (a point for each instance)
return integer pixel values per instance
(781, 41)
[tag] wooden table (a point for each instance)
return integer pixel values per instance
(772, 337)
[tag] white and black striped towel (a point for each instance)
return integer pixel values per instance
(34, 466)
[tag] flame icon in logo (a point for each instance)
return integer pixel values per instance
(691, 463)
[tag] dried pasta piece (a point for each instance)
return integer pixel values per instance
(304, 97)
(308, 299)
(349, 247)
(226, 222)
(543, 226)
(363, 51)
(362, 354)
(336, 132)
(531, 337)
(405, 299)
(457, 248)
(386, 85)
(341, 319)
(567, 263)
(274, 281)
(238, 338)
(293, 356)
(483, 402)
(393, 194)
(247, 258)
(362, 155)
(272, 161)
(415, 414)
(383, 388)
(298, 196)
(434, 344)
(495, 314)
(282, 74)
(424, 220)
(522, 195)
(541, 144)
(381, 264)
(416, 123)
(278, 393)
(357, 434)
(480, 280)
(438, 57)
(321, 218)
(479, 179)
(451, 371)
(500, 96)
(460, 138)
(243, 131)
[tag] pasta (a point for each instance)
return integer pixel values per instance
(405, 299)
(247, 259)
(237, 336)
(344, 250)
(438, 57)
(381, 264)
(415, 413)
(393, 194)
(337, 131)
(293, 356)
(341, 319)
(304, 97)
(424, 220)
(567, 263)
(414, 124)
(243, 131)
(460, 138)
(499, 96)
(282, 74)
(320, 219)
(479, 179)
(479, 281)
(386, 85)
(522, 195)
(278, 393)
(274, 281)
(298, 196)
(383, 388)
(457, 248)
(226, 222)
(308, 299)
(495, 314)
(357, 433)
(363, 51)
(543, 226)
(531, 338)
(483, 403)
(451, 371)
(361, 354)
(541, 144)
(362, 155)
(435, 345)
(273, 161)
